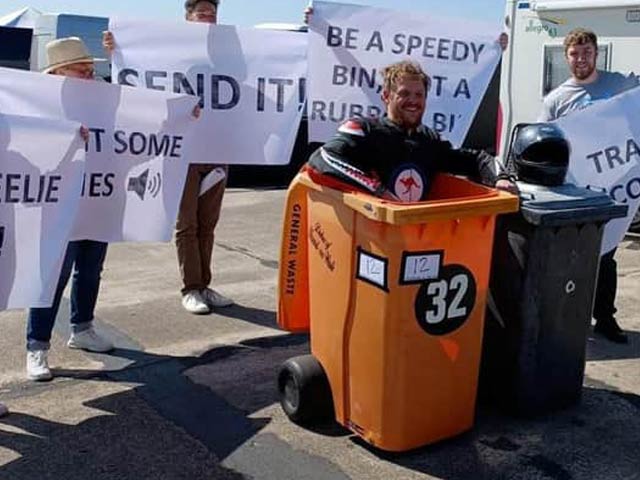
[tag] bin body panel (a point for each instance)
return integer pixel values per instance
(293, 280)
(422, 388)
(544, 273)
(330, 273)
(557, 305)
(400, 347)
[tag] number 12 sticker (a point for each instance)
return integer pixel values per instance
(444, 304)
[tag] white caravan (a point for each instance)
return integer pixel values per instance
(534, 63)
(49, 26)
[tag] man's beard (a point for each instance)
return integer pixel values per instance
(583, 73)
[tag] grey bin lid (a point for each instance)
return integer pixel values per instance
(567, 204)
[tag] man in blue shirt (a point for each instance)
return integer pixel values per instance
(587, 86)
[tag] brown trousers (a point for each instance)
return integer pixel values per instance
(197, 219)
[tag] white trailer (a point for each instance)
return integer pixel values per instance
(534, 63)
(50, 26)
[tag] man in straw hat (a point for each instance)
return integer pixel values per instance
(69, 57)
(198, 214)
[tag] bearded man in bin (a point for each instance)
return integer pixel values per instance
(396, 156)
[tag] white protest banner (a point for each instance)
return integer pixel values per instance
(41, 171)
(605, 153)
(349, 45)
(250, 82)
(135, 168)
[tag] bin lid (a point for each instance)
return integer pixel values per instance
(466, 199)
(567, 204)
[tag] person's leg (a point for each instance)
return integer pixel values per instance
(187, 233)
(85, 287)
(40, 323)
(187, 245)
(604, 309)
(209, 208)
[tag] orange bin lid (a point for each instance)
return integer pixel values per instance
(450, 198)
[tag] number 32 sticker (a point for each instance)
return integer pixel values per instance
(444, 304)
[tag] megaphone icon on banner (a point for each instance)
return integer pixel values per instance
(142, 183)
(139, 184)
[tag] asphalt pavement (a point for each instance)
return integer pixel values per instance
(186, 396)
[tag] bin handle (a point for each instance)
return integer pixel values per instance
(595, 188)
(527, 196)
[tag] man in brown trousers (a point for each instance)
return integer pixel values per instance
(198, 214)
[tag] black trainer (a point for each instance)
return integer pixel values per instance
(610, 330)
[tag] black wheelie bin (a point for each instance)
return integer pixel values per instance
(543, 278)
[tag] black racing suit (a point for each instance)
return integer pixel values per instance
(376, 155)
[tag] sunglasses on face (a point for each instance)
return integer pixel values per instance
(86, 71)
(204, 13)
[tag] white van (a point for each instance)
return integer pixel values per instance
(534, 63)
(50, 26)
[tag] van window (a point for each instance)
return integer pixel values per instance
(15, 47)
(556, 70)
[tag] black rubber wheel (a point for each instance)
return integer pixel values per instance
(303, 387)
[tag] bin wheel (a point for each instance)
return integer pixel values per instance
(304, 390)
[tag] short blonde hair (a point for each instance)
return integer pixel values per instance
(394, 72)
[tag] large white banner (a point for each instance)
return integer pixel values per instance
(605, 153)
(135, 168)
(41, 171)
(250, 82)
(349, 45)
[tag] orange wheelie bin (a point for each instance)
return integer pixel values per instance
(393, 295)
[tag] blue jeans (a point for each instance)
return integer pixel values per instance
(87, 256)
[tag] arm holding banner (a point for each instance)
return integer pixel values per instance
(108, 42)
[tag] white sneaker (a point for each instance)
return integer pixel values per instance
(193, 302)
(89, 340)
(216, 299)
(3, 410)
(38, 365)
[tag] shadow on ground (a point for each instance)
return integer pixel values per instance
(594, 440)
(597, 439)
(133, 441)
(599, 348)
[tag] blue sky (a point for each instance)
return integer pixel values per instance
(250, 12)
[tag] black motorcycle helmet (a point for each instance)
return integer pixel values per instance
(540, 153)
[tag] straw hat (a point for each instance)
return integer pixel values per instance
(66, 51)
